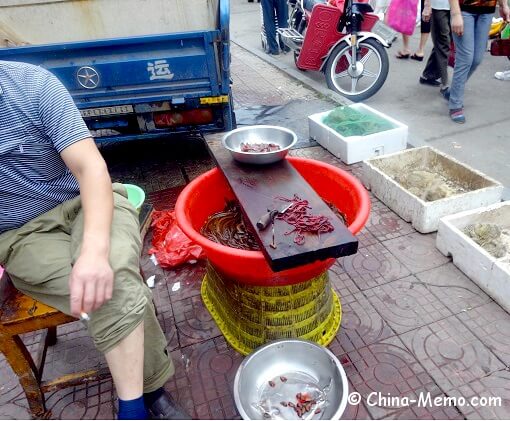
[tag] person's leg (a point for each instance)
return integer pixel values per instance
(282, 15)
(442, 43)
(464, 53)
(424, 35)
(404, 51)
(268, 15)
(482, 27)
(431, 72)
(49, 243)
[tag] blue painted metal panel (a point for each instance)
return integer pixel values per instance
(177, 68)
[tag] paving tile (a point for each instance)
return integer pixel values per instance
(204, 375)
(385, 224)
(72, 353)
(193, 321)
(341, 281)
(10, 411)
(406, 304)
(373, 266)
(95, 400)
(417, 251)
(355, 412)
(194, 168)
(185, 281)
(390, 369)
(491, 394)
(361, 325)
(491, 324)
(435, 412)
(10, 388)
(454, 289)
(450, 353)
(366, 238)
(166, 198)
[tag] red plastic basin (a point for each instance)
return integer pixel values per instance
(207, 193)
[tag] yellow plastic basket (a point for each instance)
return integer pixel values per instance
(250, 316)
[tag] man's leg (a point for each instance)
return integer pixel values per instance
(464, 53)
(431, 71)
(482, 27)
(442, 42)
(38, 256)
(268, 13)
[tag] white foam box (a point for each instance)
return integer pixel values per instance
(489, 273)
(479, 189)
(352, 149)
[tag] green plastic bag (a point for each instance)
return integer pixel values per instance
(350, 122)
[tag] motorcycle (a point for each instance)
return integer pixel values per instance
(347, 42)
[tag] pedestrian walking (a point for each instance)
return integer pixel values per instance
(470, 21)
(272, 11)
(405, 51)
(437, 12)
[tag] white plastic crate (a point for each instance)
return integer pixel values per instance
(489, 273)
(354, 149)
(479, 189)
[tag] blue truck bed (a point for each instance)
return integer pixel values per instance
(144, 87)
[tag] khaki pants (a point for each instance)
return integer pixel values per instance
(39, 256)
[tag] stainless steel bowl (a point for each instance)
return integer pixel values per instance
(280, 358)
(259, 134)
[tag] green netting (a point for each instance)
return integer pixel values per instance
(350, 122)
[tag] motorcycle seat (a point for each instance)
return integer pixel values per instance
(308, 4)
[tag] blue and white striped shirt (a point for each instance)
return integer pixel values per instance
(38, 120)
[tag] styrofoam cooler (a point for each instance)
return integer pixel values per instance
(352, 149)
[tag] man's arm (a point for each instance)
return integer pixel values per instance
(91, 282)
(457, 20)
(427, 11)
(504, 10)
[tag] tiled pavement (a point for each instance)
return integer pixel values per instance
(412, 323)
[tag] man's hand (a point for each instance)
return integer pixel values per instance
(90, 283)
(458, 24)
(426, 14)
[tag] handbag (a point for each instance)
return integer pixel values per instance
(401, 16)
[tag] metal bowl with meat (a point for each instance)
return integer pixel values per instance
(259, 144)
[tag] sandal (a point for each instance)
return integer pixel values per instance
(417, 57)
(400, 55)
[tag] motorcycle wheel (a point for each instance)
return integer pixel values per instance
(372, 68)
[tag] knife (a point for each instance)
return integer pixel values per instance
(269, 217)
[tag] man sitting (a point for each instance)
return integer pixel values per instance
(71, 240)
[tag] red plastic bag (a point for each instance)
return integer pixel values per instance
(169, 244)
(451, 57)
(401, 15)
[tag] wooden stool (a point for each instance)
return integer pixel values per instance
(21, 314)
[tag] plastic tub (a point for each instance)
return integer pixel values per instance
(135, 195)
(207, 193)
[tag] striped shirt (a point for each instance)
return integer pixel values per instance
(38, 120)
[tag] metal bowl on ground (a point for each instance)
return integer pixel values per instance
(280, 136)
(288, 359)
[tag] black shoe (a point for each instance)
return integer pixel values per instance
(431, 82)
(164, 408)
(446, 93)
